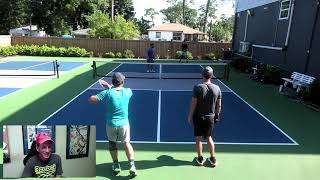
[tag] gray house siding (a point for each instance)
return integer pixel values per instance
(265, 28)
(300, 35)
(262, 24)
(313, 67)
(240, 29)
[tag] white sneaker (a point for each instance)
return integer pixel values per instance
(133, 171)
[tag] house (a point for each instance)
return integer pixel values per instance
(174, 32)
(25, 31)
(283, 33)
(81, 33)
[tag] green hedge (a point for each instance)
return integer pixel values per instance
(241, 64)
(36, 50)
(210, 56)
(189, 55)
(271, 74)
(313, 94)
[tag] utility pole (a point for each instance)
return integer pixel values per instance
(30, 24)
(183, 9)
(112, 10)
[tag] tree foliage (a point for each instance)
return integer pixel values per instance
(222, 30)
(124, 8)
(151, 12)
(173, 14)
(102, 26)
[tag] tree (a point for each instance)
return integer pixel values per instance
(223, 29)
(151, 12)
(143, 25)
(207, 11)
(173, 14)
(13, 14)
(102, 26)
(124, 8)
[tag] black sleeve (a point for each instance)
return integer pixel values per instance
(59, 166)
(195, 92)
(27, 171)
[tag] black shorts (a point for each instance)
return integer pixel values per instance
(202, 126)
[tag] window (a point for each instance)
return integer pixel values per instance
(284, 9)
(176, 36)
(158, 34)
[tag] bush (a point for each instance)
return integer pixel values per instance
(127, 54)
(210, 56)
(7, 51)
(35, 50)
(118, 55)
(189, 55)
(108, 55)
(241, 64)
(313, 93)
(270, 74)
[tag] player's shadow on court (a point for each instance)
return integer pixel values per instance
(104, 170)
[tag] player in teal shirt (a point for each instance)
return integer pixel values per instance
(118, 130)
(117, 101)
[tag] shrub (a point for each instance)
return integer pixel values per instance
(118, 55)
(210, 56)
(7, 51)
(241, 64)
(313, 93)
(128, 54)
(35, 50)
(189, 55)
(108, 55)
(270, 74)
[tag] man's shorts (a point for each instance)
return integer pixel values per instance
(202, 126)
(150, 60)
(119, 134)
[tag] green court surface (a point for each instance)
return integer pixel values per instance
(174, 161)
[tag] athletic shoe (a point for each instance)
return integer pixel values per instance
(133, 171)
(116, 168)
(212, 161)
(199, 161)
(148, 71)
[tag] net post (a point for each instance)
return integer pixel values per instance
(94, 67)
(54, 68)
(228, 72)
(57, 68)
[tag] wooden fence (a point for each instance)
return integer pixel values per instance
(163, 49)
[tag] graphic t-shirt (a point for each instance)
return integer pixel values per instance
(35, 167)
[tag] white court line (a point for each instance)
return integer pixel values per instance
(294, 142)
(225, 143)
(73, 98)
(34, 65)
(159, 116)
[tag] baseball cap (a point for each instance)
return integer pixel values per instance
(117, 78)
(42, 137)
(207, 72)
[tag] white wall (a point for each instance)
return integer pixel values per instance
(5, 40)
(78, 167)
(249, 4)
(164, 35)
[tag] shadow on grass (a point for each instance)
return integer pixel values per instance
(104, 170)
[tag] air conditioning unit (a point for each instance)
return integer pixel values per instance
(244, 47)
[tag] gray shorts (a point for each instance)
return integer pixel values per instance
(119, 134)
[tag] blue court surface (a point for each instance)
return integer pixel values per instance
(36, 67)
(158, 114)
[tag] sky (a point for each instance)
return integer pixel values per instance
(141, 5)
